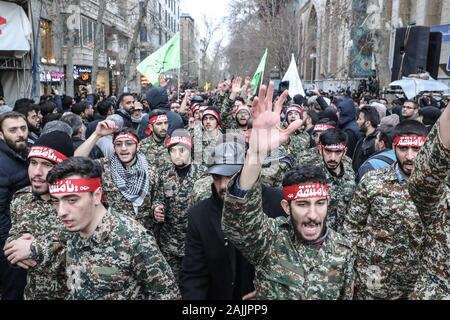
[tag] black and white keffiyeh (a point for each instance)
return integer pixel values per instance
(133, 182)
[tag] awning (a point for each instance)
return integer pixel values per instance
(15, 29)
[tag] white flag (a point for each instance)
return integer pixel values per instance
(295, 84)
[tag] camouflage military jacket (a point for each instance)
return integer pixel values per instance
(203, 144)
(297, 143)
(30, 214)
(427, 190)
(119, 203)
(385, 226)
(120, 261)
(284, 267)
(174, 193)
(156, 154)
(341, 190)
(202, 188)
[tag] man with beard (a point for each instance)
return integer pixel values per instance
(429, 191)
(13, 177)
(368, 120)
(242, 116)
(127, 186)
(153, 147)
(206, 135)
(339, 173)
(108, 255)
(173, 197)
(384, 225)
(125, 104)
(299, 141)
(410, 110)
(296, 258)
(32, 213)
(31, 112)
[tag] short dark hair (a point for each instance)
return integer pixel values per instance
(313, 115)
(121, 97)
(104, 106)
(416, 105)
(26, 109)
(333, 136)
(81, 166)
(10, 115)
(126, 130)
(67, 102)
(80, 107)
(22, 103)
(386, 134)
(74, 121)
(408, 127)
(156, 112)
(51, 117)
(370, 114)
(303, 174)
(47, 107)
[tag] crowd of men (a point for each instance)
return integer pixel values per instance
(224, 195)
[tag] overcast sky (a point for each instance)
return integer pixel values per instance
(214, 9)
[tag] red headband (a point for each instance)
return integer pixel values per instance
(322, 127)
(212, 113)
(409, 141)
(46, 153)
(125, 136)
(295, 108)
(333, 147)
(161, 117)
(179, 140)
(74, 186)
(305, 191)
(153, 120)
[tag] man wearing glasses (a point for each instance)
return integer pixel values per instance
(126, 177)
(410, 110)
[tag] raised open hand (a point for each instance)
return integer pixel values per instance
(266, 133)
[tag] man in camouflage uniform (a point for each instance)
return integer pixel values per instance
(108, 255)
(300, 140)
(32, 213)
(384, 224)
(297, 258)
(173, 198)
(153, 147)
(127, 183)
(332, 148)
(206, 135)
(428, 190)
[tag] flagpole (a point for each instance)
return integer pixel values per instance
(179, 75)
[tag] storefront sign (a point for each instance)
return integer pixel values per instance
(51, 76)
(82, 72)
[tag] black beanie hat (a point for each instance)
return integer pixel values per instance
(56, 140)
(430, 115)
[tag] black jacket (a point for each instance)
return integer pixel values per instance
(347, 123)
(90, 128)
(13, 177)
(212, 268)
(364, 149)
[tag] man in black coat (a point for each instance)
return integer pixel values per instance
(13, 177)
(213, 269)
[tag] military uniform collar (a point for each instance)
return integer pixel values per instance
(101, 233)
(398, 173)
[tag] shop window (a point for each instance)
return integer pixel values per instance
(46, 41)
(88, 29)
(76, 25)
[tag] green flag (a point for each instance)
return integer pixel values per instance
(164, 59)
(257, 78)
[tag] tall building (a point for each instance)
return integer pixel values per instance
(189, 49)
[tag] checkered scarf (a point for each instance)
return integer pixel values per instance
(133, 182)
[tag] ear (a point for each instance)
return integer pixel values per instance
(2, 136)
(98, 196)
(138, 146)
(285, 206)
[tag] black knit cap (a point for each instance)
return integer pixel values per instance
(56, 140)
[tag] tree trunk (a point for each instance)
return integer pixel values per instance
(97, 43)
(132, 47)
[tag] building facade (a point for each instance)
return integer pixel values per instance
(346, 40)
(189, 72)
